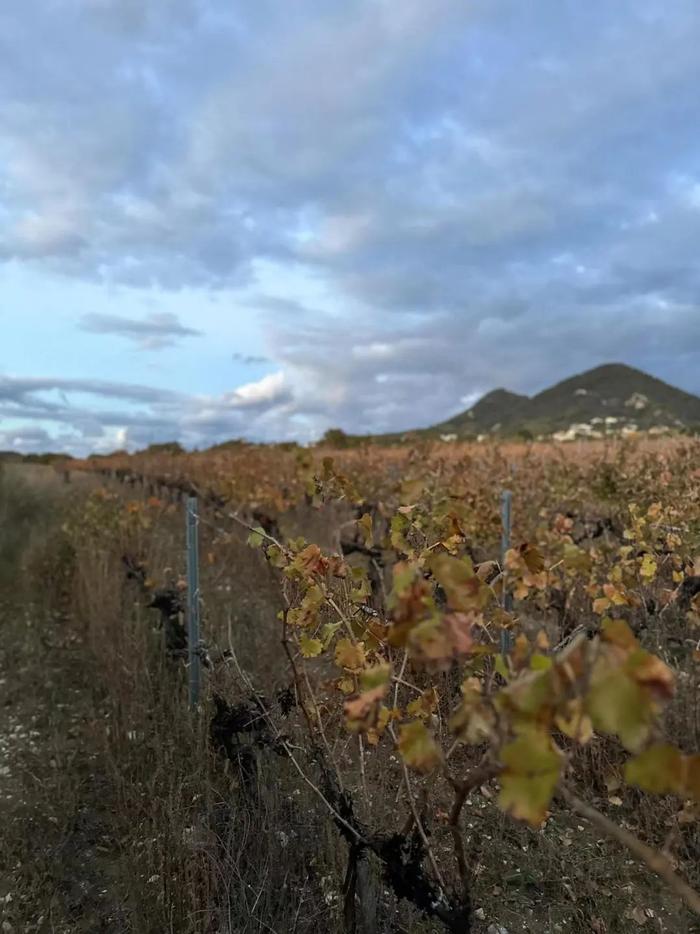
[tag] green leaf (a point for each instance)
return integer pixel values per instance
(659, 769)
(256, 537)
(276, 556)
(532, 767)
(327, 633)
(399, 527)
(618, 705)
(501, 667)
(374, 677)
(418, 748)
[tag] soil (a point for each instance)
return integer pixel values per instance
(60, 863)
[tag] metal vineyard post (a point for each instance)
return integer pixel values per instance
(192, 521)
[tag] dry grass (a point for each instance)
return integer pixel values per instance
(196, 843)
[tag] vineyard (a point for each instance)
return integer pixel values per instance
(408, 728)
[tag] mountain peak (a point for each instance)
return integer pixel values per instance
(611, 398)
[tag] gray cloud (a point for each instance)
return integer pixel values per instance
(138, 415)
(26, 439)
(489, 193)
(155, 332)
(250, 359)
(19, 389)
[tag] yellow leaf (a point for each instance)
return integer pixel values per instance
(574, 722)
(424, 705)
(310, 648)
(648, 568)
(615, 596)
(617, 632)
(349, 655)
(365, 525)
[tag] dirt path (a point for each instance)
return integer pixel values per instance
(57, 867)
(58, 854)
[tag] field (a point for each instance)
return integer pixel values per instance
(405, 725)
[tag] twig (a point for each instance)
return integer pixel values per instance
(343, 618)
(258, 531)
(317, 791)
(399, 678)
(478, 775)
(407, 684)
(320, 726)
(289, 748)
(416, 817)
(362, 764)
(654, 860)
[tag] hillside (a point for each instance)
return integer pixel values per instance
(613, 398)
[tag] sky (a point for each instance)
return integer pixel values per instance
(224, 218)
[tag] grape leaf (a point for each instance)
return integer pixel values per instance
(418, 748)
(310, 648)
(660, 769)
(365, 524)
(256, 537)
(349, 655)
(532, 766)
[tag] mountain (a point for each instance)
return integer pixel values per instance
(609, 399)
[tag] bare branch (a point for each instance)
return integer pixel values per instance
(654, 860)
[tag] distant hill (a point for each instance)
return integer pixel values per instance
(613, 398)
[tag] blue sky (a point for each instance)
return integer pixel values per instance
(224, 218)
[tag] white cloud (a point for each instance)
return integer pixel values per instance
(271, 388)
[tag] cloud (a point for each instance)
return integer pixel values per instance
(155, 332)
(136, 415)
(270, 389)
(20, 389)
(249, 359)
(26, 439)
(451, 196)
